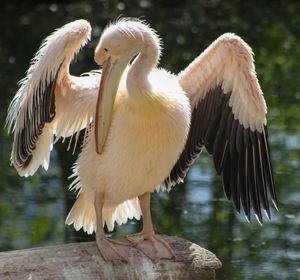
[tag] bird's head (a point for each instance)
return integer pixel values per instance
(124, 38)
(119, 44)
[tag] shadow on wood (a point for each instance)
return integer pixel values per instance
(83, 261)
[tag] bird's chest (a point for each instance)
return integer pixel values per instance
(144, 144)
(145, 137)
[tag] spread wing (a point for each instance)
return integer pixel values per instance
(229, 120)
(50, 102)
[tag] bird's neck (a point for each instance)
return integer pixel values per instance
(138, 84)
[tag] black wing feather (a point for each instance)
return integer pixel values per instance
(39, 112)
(226, 178)
(221, 141)
(242, 156)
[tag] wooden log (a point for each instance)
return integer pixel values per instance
(83, 261)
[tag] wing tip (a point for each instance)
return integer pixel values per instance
(275, 205)
(259, 218)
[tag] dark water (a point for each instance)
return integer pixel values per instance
(32, 210)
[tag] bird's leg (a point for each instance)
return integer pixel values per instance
(150, 244)
(109, 249)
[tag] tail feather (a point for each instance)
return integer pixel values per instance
(83, 215)
(129, 209)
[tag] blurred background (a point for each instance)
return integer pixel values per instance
(32, 210)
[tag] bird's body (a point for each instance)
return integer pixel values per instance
(144, 126)
(145, 140)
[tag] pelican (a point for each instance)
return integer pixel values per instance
(144, 126)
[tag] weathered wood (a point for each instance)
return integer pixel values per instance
(83, 261)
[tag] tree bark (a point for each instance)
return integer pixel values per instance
(83, 261)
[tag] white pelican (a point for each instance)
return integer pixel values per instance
(144, 126)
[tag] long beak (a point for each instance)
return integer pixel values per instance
(112, 72)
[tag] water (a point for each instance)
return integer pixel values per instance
(32, 210)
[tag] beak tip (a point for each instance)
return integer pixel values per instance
(99, 147)
(99, 151)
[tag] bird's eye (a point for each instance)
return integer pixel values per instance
(105, 49)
